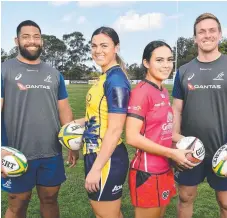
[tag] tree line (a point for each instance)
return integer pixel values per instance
(70, 54)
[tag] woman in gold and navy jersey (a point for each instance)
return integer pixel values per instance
(105, 156)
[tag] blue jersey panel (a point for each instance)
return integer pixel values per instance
(117, 91)
(2, 87)
(177, 89)
(4, 140)
(62, 93)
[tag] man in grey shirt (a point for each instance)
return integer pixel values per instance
(35, 105)
(200, 110)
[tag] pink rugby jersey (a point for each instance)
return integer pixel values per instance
(151, 105)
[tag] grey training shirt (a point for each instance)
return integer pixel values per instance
(31, 118)
(203, 88)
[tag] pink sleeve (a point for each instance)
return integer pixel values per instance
(138, 104)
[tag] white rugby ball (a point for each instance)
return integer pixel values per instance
(15, 164)
(71, 136)
(219, 165)
(192, 143)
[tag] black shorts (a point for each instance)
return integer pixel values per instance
(113, 174)
(195, 176)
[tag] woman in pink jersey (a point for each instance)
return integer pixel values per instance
(149, 129)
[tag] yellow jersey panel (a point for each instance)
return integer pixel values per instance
(104, 97)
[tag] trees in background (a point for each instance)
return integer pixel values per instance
(186, 50)
(4, 55)
(223, 46)
(71, 54)
(135, 71)
(54, 51)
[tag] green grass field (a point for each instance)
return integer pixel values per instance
(73, 199)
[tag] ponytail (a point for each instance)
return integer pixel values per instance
(122, 64)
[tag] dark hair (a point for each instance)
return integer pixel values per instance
(147, 53)
(114, 36)
(204, 17)
(27, 23)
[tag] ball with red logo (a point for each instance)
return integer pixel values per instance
(194, 144)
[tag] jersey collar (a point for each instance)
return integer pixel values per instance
(153, 84)
(111, 68)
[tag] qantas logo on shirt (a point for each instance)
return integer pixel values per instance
(26, 87)
(22, 87)
(193, 87)
(190, 86)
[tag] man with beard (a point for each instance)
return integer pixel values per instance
(200, 110)
(35, 105)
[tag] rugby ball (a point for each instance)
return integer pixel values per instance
(15, 164)
(71, 136)
(192, 143)
(219, 165)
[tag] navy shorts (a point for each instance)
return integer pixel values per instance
(47, 172)
(195, 176)
(113, 174)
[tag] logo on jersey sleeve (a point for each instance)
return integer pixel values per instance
(134, 108)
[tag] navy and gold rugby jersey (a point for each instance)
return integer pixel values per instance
(110, 94)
